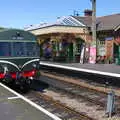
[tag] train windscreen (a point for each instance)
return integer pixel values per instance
(17, 49)
(5, 49)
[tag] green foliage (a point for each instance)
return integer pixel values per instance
(1, 28)
(79, 40)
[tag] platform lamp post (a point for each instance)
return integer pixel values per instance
(93, 47)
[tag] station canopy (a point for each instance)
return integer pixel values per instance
(67, 24)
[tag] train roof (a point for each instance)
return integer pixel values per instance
(17, 35)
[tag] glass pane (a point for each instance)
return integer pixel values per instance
(5, 49)
(18, 49)
(32, 49)
(24, 49)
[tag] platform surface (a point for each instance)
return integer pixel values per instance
(14, 108)
(105, 69)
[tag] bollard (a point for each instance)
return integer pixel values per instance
(110, 104)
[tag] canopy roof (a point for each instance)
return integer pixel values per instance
(59, 29)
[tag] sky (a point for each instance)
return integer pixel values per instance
(20, 13)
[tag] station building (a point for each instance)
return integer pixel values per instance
(65, 39)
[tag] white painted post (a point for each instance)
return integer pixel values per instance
(110, 104)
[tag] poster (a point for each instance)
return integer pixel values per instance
(92, 58)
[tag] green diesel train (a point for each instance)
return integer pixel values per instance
(19, 57)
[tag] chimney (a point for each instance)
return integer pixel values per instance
(87, 12)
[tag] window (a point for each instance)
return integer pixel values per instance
(19, 49)
(25, 49)
(5, 49)
(31, 49)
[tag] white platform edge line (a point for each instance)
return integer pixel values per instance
(82, 70)
(31, 103)
(12, 98)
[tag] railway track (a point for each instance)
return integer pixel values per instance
(88, 94)
(71, 80)
(55, 107)
(91, 95)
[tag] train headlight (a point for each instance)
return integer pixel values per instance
(31, 78)
(5, 69)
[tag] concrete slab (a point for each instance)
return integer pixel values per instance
(103, 69)
(13, 107)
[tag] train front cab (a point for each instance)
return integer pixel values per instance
(19, 57)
